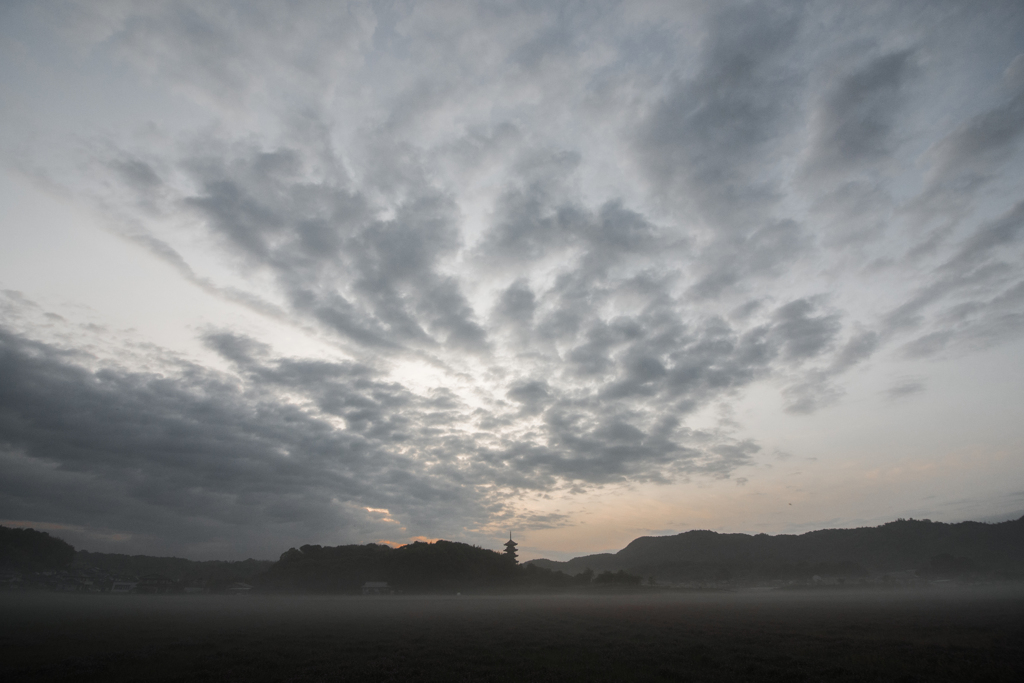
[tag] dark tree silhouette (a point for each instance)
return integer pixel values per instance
(31, 550)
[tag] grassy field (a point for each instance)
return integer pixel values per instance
(965, 634)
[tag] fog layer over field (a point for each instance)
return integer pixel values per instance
(931, 634)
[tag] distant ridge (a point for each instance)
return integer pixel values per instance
(906, 544)
(921, 549)
(176, 568)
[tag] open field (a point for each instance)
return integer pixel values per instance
(962, 634)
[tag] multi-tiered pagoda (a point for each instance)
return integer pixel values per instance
(510, 549)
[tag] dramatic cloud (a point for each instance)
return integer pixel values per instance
(456, 266)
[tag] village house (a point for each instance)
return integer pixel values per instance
(157, 584)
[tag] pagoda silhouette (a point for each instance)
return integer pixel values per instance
(510, 549)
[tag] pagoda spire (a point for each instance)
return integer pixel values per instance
(510, 549)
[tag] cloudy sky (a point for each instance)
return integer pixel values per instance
(316, 272)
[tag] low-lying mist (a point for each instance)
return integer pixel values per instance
(953, 633)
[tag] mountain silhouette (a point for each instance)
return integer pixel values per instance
(905, 544)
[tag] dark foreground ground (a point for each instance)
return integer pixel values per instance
(965, 634)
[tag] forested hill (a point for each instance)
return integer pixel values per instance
(417, 567)
(896, 546)
(177, 568)
(30, 550)
(438, 567)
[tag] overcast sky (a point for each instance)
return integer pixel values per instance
(315, 272)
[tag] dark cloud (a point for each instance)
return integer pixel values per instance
(374, 281)
(814, 392)
(193, 457)
(137, 173)
(208, 462)
(546, 238)
(215, 50)
(978, 249)
(802, 334)
(854, 211)
(905, 387)
(533, 396)
(517, 304)
(708, 137)
(540, 218)
(857, 349)
(709, 144)
(928, 344)
(958, 296)
(741, 258)
(855, 122)
(971, 156)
